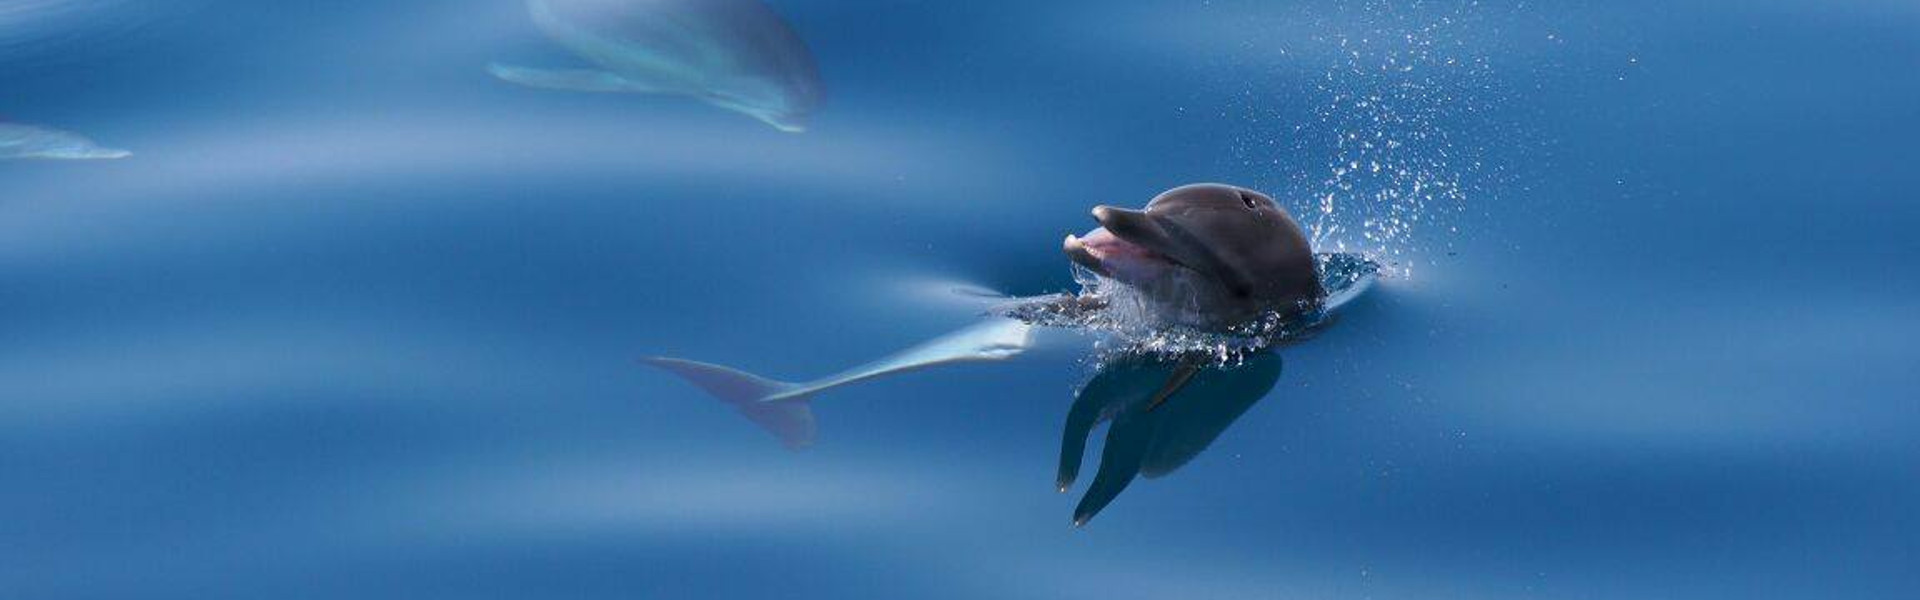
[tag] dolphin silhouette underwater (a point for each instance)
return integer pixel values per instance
(1222, 268)
(18, 141)
(734, 54)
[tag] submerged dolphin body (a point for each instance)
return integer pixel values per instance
(735, 54)
(32, 142)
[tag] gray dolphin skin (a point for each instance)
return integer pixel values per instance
(1206, 255)
(734, 54)
(32, 142)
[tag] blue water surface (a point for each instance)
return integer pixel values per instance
(357, 320)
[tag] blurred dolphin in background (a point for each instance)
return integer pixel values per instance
(734, 54)
(26, 22)
(38, 32)
(19, 141)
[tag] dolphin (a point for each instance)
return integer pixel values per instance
(1207, 255)
(19, 141)
(734, 54)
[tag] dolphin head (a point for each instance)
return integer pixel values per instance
(1208, 254)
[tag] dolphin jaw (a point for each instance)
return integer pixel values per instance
(1114, 257)
(1078, 252)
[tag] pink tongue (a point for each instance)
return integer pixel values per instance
(1123, 259)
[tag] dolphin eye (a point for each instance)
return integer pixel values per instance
(1247, 199)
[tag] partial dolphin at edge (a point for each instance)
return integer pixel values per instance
(20, 141)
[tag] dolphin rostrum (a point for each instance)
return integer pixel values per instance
(735, 54)
(32, 142)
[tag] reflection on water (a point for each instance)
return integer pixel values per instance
(1148, 434)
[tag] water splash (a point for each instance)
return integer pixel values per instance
(1361, 120)
(1132, 326)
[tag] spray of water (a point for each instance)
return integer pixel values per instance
(1132, 324)
(1138, 325)
(1363, 114)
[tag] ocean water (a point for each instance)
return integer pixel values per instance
(358, 320)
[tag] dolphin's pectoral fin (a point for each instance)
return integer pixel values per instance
(1120, 458)
(1181, 375)
(1081, 419)
(1121, 383)
(572, 80)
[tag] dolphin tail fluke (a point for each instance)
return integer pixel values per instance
(789, 418)
(572, 80)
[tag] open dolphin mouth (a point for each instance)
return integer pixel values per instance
(1102, 252)
(1165, 241)
(1128, 246)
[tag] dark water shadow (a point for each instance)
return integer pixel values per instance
(1154, 440)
